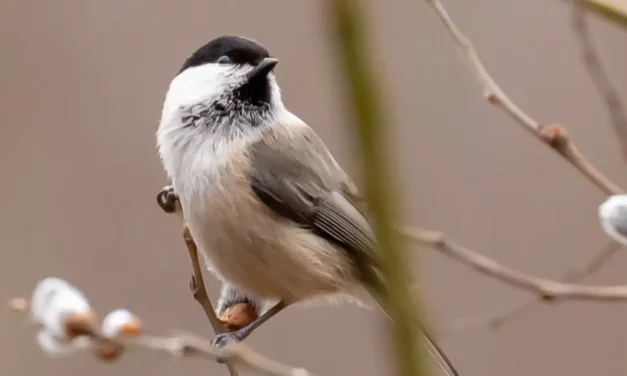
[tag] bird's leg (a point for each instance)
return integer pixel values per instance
(169, 202)
(241, 334)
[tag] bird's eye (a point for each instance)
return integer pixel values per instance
(224, 60)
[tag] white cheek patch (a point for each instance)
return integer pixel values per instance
(206, 149)
(198, 84)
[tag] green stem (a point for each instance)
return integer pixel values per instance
(351, 35)
(613, 10)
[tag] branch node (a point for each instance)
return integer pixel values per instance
(108, 351)
(18, 304)
(496, 323)
(492, 98)
(193, 287)
(80, 324)
(554, 134)
(439, 241)
(547, 296)
(187, 236)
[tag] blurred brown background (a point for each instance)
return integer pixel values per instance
(81, 88)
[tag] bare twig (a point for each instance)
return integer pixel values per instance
(169, 203)
(547, 289)
(497, 320)
(553, 135)
(594, 264)
(233, 353)
(197, 284)
(185, 345)
(597, 72)
(236, 353)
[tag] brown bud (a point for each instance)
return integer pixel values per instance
(131, 329)
(108, 351)
(238, 316)
(492, 98)
(547, 296)
(80, 324)
(18, 304)
(554, 134)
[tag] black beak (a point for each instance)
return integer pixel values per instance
(263, 68)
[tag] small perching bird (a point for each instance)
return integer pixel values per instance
(613, 216)
(270, 209)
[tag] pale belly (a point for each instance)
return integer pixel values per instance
(248, 245)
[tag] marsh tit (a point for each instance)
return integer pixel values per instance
(269, 207)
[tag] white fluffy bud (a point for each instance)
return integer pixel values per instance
(61, 309)
(51, 345)
(55, 347)
(121, 323)
(613, 216)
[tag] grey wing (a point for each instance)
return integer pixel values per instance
(297, 178)
(300, 181)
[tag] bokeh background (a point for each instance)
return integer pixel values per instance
(81, 87)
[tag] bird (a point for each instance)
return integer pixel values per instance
(271, 210)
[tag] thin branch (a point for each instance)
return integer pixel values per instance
(199, 292)
(554, 135)
(597, 72)
(232, 353)
(197, 284)
(170, 203)
(236, 353)
(594, 265)
(547, 289)
(183, 345)
(497, 320)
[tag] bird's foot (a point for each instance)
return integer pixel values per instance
(167, 199)
(224, 339)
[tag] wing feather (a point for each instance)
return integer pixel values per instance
(300, 181)
(296, 177)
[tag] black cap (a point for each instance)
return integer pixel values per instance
(240, 50)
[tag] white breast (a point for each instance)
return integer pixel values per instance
(239, 238)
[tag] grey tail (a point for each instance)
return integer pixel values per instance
(439, 356)
(444, 364)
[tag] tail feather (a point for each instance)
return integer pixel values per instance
(442, 361)
(439, 356)
(231, 295)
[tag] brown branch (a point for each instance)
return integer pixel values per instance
(554, 135)
(547, 289)
(197, 284)
(169, 203)
(236, 353)
(497, 320)
(597, 73)
(184, 345)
